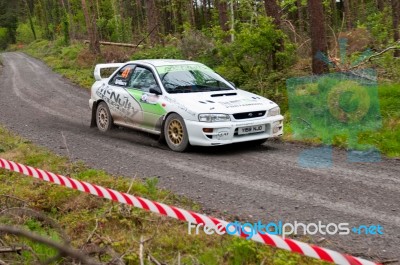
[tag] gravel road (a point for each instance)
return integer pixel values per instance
(252, 183)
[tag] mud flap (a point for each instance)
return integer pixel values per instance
(160, 125)
(93, 119)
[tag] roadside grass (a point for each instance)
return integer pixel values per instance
(89, 220)
(323, 128)
(71, 61)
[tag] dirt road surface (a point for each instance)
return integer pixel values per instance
(253, 183)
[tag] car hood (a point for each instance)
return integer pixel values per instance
(228, 102)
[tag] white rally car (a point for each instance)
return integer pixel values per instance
(182, 101)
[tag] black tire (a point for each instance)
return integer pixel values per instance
(104, 120)
(175, 133)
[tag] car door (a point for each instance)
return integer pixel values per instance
(142, 80)
(125, 109)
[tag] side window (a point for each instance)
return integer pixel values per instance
(143, 79)
(123, 76)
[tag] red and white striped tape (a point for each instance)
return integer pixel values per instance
(181, 214)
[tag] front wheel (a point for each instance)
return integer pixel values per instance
(175, 133)
(104, 120)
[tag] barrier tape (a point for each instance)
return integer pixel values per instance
(184, 215)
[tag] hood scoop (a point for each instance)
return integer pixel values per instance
(224, 94)
(207, 101)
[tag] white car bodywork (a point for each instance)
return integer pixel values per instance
(245, 116)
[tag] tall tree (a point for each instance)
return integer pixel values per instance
(152, 21)
(222, 7)
(90, 19)
(300, 16)
(9, 19)
(318, 35)
(347, 14)
(380, 4)
(273, 10)
(29, 12)
(396, 30)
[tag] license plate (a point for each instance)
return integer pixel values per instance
(251, 129)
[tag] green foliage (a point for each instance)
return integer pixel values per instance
(159, 52)
(380, 26)
(116, 29)
(390, 68)
(65, 30)
(195, 45)
(256, 59)
(24, 33)
(242, 251)
(3, 38)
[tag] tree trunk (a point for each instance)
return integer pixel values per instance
(347, 13)
(396, 30)
(71, 21)
(334, 15)
(318, 35)
(30, 20)
(362, 11)
(191, 15)
(300, 17)
(223, 14)
(91, 28)
(206, 14)
(381, 5)
(152, 21)
(273, 10)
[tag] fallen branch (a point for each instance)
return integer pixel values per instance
(129, 45)
(394, 47)
(41, 217)
(153, 259)
(64, 250)
(10, 249)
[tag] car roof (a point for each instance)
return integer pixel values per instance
(164, 62)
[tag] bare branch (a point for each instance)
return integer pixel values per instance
(94, 231)
(17, 211)
(394, 47)
(66, 145)
(141, 250)
(10, 249)
(153, 259)
(65, 250)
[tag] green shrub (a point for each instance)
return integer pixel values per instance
(3, 38)
(159, 52)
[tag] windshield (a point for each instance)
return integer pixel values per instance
(191, 78)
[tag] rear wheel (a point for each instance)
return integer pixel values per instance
(175, 133)
(104, 120)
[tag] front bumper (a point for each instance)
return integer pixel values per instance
(227, 132)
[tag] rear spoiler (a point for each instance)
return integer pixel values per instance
(97, 69)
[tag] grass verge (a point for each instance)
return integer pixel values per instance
(91, 221)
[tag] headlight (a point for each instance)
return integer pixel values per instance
(214, 117)
(274, 111)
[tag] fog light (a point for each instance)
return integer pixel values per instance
(208, 130)
(277, 126)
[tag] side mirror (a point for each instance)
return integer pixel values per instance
(233, 84)
(155, 91)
